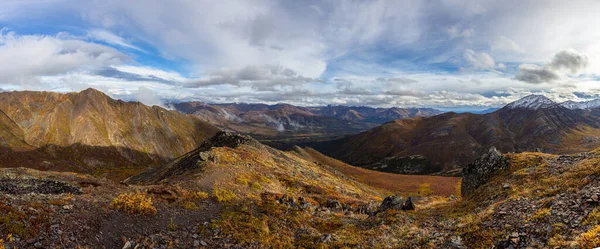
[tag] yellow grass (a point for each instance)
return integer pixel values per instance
(134, 203)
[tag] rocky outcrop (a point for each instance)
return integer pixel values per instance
(482, 170)
(396, 203)
(194, 160)
(226, 139)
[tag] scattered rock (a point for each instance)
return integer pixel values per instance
(334, 204)
(391, 202)
(204, 156)
(396, 203)
(128, 245)
(326, 238)
(408, 205)
(38, 186)
(369, 208)
(456, 242)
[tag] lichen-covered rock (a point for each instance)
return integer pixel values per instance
(391, 202)
(482, 170)
(408, 205)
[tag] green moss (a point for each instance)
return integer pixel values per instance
(19, 222)
(256, 186)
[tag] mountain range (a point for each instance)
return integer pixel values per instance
(283, 125)
(91, 132)
(448, 141)
(154, 178)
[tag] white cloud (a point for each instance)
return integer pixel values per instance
(504, 44)
(261, 78)
(23, 58)
(479, 60)
(148, 97)
(482, 61)
(273, 51)
(455, 32)
(108, 37)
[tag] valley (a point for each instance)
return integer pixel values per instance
(284, 125)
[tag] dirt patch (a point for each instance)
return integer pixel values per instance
(37, 186)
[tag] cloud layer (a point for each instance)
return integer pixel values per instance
(564, 63)
(447, 54)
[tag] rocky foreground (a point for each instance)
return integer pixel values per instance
(236, 193)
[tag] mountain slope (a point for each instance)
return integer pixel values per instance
(245, 167)
(11, 135)
(96, 131)
(450, 140)
(284, 124)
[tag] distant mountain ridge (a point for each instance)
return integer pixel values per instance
(288, 121)
(451, 140)
(591, 104)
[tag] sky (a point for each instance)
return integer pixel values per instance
(449, 54)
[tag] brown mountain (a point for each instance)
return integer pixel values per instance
(10, 134)
(89, 131)
(451, 140)
(283, 125)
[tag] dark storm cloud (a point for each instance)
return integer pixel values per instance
(569, 61)
(535, 74)
(563, 62)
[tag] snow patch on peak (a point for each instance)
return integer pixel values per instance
(591, 104)
(533, 102)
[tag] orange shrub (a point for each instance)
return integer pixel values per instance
(134, 203)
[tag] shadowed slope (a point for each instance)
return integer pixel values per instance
(450, 140)
(405, 185)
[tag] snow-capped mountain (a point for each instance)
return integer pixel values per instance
(591, 104)
(533, 102)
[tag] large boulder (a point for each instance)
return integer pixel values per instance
(396, 203)
(482, 170)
